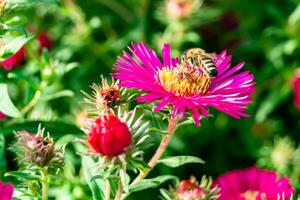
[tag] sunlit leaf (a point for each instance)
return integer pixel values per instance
(6, 105)
(177, 161)
(12, 45)
(150, 183)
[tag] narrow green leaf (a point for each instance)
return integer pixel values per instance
(32, 1)
(23, 175)
(63, 93)
(89, 167)
(6, 105)
(150, 183)
(97, 186)
(2, 152)
(177, 161)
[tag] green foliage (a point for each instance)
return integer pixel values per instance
(86, 39)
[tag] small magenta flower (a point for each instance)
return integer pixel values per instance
(296, 87)
(253, 184)
(14, 61)
(2, 116)
(183, 87)
(109, 136)
(6, 191)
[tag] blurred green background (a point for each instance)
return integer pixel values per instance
(91, 34)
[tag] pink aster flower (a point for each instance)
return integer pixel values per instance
(296, 87)
(184, 87)
(15, 60)
(253, 184)
(6, 191)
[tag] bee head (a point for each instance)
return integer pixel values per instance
(183, 57)
(213, 73)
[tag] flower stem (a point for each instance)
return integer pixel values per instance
(161, 149)
(45, 184)
(32, 103)
(107, 190)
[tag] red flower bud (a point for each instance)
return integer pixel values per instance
(190, 190)
(296, 87)
(2, 116)
(45, 40)
(109, 136)
(15, 60)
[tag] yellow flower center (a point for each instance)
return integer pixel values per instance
(252, 195)
(184, 80)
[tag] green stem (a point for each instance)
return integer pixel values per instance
(107, 189)
(32, 103)
(159, 152)
(45, 184)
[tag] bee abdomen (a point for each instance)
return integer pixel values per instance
(209, 66)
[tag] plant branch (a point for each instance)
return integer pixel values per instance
(161, 149)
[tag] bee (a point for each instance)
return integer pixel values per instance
(197, 57)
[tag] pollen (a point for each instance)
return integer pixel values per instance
(250, 195)
(184, 80)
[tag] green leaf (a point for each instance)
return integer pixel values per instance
(89, 167)
(12, 45)
(2, 152)
(32, 1)
(177, 161)
(63, 93)
(150, 183)
(23, 175)
(6, 105)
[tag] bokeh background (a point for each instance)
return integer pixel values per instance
(87, 37)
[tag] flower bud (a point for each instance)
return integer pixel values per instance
(37, 149)
(190, 190)
(104, 97)
(2, 116)
(109, 136)
(178, 9)
(45, 40)
(296, 87)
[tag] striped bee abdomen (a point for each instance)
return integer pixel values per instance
(208, 66)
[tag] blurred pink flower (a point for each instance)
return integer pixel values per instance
(2, 116)
(45, 40)
(6, 191)
(253, 184)
(15, 60)
(296, 87)
(185, 87)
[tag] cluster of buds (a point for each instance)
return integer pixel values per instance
(190, 189)
(111, 132)
(38, 150)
